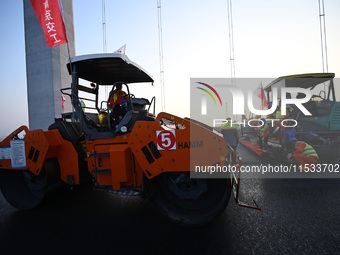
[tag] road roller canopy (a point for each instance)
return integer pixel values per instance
(107, 68)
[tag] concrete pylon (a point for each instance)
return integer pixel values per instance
(46, 68)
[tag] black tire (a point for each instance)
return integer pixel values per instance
(22, 189)
(187, 201)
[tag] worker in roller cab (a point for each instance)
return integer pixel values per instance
(116, 101)
(304, 154)
(263, 134)
(230, 135)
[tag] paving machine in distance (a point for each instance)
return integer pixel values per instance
(321, 129)
(141, 154)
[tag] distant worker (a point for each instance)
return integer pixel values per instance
(238, 129)
(270, 117)
(303, 153)
(87, 119)
(280, 119)
(244, 120)
(116, 101)
(263, 133)
(230, 136)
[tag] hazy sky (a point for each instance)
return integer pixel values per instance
(272, 38)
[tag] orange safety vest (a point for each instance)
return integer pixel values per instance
(117, 97)
(309, 150)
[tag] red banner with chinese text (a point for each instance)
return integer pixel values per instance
(50, 18)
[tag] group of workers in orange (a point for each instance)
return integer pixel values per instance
(303, 153)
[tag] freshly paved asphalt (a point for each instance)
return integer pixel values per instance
(298, 216)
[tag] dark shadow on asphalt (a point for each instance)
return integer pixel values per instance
(95, 222)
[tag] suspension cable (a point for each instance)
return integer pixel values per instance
(161, 62)
(323, 36)
(231, 40)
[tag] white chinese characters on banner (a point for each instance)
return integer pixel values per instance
(50, 25)
(49, 14)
